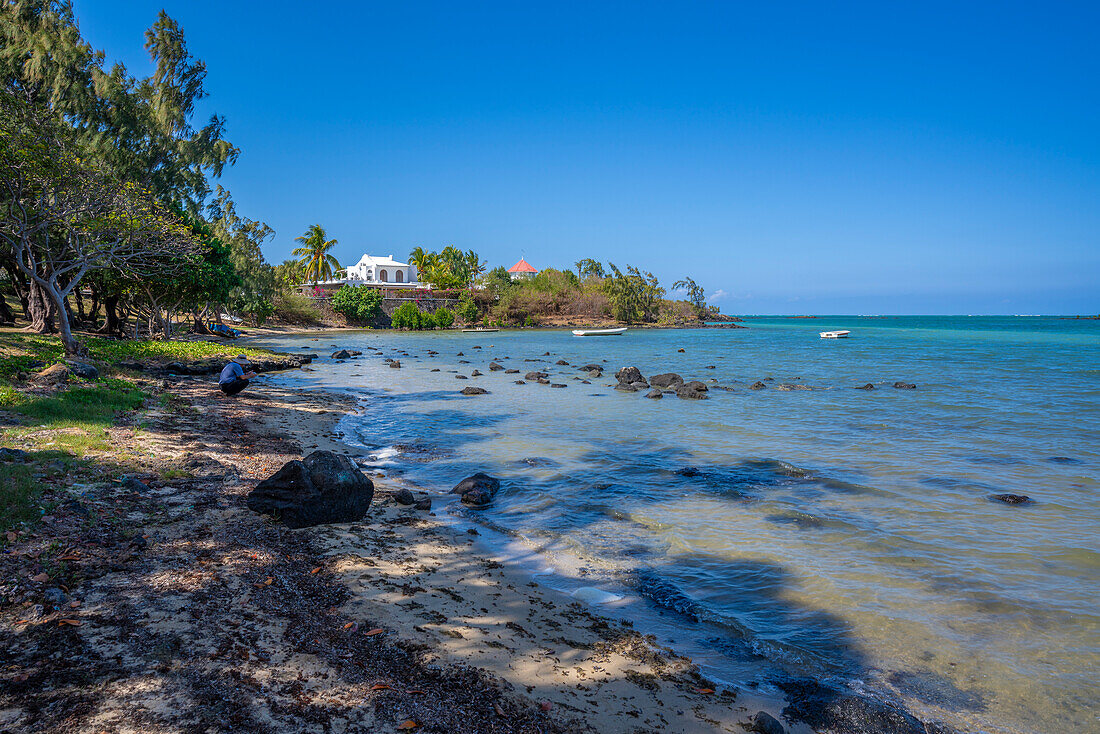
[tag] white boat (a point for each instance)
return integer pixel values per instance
(835, 334)
(477, 331)
(599, 332)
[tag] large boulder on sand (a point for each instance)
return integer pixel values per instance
(478, 489)
(666, 380)
(321, 488)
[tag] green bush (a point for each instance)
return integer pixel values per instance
(406, 316)
(444, 317)
(359, 302)
(467, 310)
(295, 308)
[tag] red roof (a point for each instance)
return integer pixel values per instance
(522, 267)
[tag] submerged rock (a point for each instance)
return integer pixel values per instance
(494, 367)
(666, 379)
(758, 385)
(395, 364)
(557, 384)
(693, 390)
(905, 386)
(655, 394)
(829, 709)
(341, 354)
(1012, 499)
(511, 372)
(321, 488)
(764, 723)
(521, 382)
(868, 386)
(631, 376)
(478, 489)
(535, 375)
(592, 368)
(562, 363)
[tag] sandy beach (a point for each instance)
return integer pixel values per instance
(215, 618)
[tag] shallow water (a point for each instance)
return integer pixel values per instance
(843, 533)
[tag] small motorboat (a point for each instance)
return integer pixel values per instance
(478, 330)
(599, 332)
(835, 334)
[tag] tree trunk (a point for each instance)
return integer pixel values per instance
(73, 348)
(6, 315)
(111, 322)
(81, 316)
(41, 310)
(199, 327)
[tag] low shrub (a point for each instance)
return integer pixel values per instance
(444, 317)
(359, 303)
(294, 308)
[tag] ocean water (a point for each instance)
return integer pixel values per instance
(848, 534)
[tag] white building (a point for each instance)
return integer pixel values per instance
(374, 270)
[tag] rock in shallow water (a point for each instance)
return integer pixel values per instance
(474, 391)
(905, 386)
(667, 379)
(655, 394)
(1012, 499)
(321, 488)
(478, 489)
(693, 390)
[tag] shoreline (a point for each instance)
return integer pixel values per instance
(212, 615)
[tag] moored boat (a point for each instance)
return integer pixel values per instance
(477, 331)
(835, 334)
(599, 332)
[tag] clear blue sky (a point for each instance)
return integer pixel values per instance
(791, 157)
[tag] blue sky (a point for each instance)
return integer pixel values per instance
(791, 157)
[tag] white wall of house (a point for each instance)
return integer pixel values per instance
(379, 269)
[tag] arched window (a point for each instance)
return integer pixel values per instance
(383, 276)
(399, 277)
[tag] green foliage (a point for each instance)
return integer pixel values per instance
(290, 273)
(317, 262)
(293, 308)
(256, 307)
(697, 297)
(467, 310)
(498, 281)
(556, 282)
(635, 296)
(589, 268)
(444, 317)
(409, 316)
(19, 495)
(449, 268)
(359, 303)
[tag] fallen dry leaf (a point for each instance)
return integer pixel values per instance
(316, 570)
(381, 687)
(352, 626)
(704, 690)
(268, 581)
(546, 705)
(74, 604)
(73, 622)
(40, 578)
(68, 558)
(373, 632)
(408, 724)
(11, 536)
(414, 691)
(498, 709)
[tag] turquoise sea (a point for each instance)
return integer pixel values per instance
(846, 534)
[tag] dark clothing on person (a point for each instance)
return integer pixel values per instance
(230, 373)
(233, 386)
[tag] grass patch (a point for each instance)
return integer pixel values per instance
(19, 352)
(19, 495)
(80, 406)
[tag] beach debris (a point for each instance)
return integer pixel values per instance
(758, 385)
(764, 723)
(655, 394)
(474, 391)
(408, 724)
(477, 489)
(693, 390)
(321, 488)
(666, 379)
(1012, 499)
(905, 385)
(868, 386)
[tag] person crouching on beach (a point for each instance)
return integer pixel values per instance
(233, 378)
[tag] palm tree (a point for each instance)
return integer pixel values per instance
(316, 261)
(475, 266)
(423, 261)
